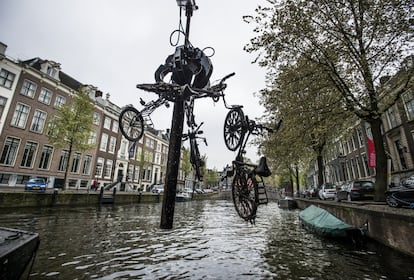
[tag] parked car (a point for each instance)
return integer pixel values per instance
(311, 192)
(327, 191)
(158, 188)
(35, 184)
(400, 196)
(409, 182)
(356, 190)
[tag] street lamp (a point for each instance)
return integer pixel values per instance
(187, 3)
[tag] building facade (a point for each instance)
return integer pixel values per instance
(30, 92)
(348, 159)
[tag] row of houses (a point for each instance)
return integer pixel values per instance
(347, 159)
(30, 92)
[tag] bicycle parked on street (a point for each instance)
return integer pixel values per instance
(248, 187)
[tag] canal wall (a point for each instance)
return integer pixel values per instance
(73, 198)
(390, 226)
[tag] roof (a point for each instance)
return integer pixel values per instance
(64, 78)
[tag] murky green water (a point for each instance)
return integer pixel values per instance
(208, 241)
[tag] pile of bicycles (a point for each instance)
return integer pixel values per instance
(132, 121)
(248, 188)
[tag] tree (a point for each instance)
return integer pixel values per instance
(355, 42)
(211, 178)
(315, 111)
(185, 162)
(71, 127)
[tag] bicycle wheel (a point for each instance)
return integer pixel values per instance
(245, 196)
(195, 159)
(131, 124)
(234, 128)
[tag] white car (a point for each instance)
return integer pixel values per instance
(158, 189)
(327, 191)
(409, 182)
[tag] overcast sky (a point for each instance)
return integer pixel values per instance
(116, 44)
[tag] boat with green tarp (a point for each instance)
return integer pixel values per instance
(323, 223)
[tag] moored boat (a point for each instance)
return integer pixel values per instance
(183, 196)
(17, 252)
(322, 222)
(287, 203)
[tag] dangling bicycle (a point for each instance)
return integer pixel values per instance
(131, 121)
(248, 188)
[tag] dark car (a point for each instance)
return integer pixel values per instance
(35, 184)
(311, 192)
(400, 196)
(356, 190)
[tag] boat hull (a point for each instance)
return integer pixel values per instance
(17, 251)
(287, 203)
(323, 223)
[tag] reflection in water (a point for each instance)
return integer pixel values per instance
(208, 241)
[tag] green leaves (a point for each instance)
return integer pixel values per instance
(72, 124)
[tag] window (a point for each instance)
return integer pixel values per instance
(45, 157)
(115, 126)
(29, 154)
(408, 99)
(99, 167)
(45, 96)
(38, 122)
(92, 138)
(112, 145)
(3, 102)
(107, 123)
(51, 71)
(401, 150)
(392, 121)
(104, 142)
(63, 161)
(4, 178)
(130, 173)
(20, 115)
(86, 169)
(6, 78)
(136, 174)
(108, 168)
(123, 149)
(9, 152)
(75, 163)
(28, 88)
(360, 137)
(96, 118)
(59, 100)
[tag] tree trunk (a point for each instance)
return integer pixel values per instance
(67, 167)
(297, 179)
(319, 160)
(380, 160)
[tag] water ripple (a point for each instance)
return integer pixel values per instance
(208, 241)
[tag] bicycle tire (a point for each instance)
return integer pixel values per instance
(131, 124)
(245, 196)
(234, 128)
(195, 159)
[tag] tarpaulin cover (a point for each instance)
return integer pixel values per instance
(323, 222)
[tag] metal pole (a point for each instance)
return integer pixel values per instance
(173, 164)
(174, 152)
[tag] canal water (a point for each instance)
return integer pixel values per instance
(208, 241)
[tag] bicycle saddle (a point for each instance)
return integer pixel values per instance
(262, 169)
(187, 65)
